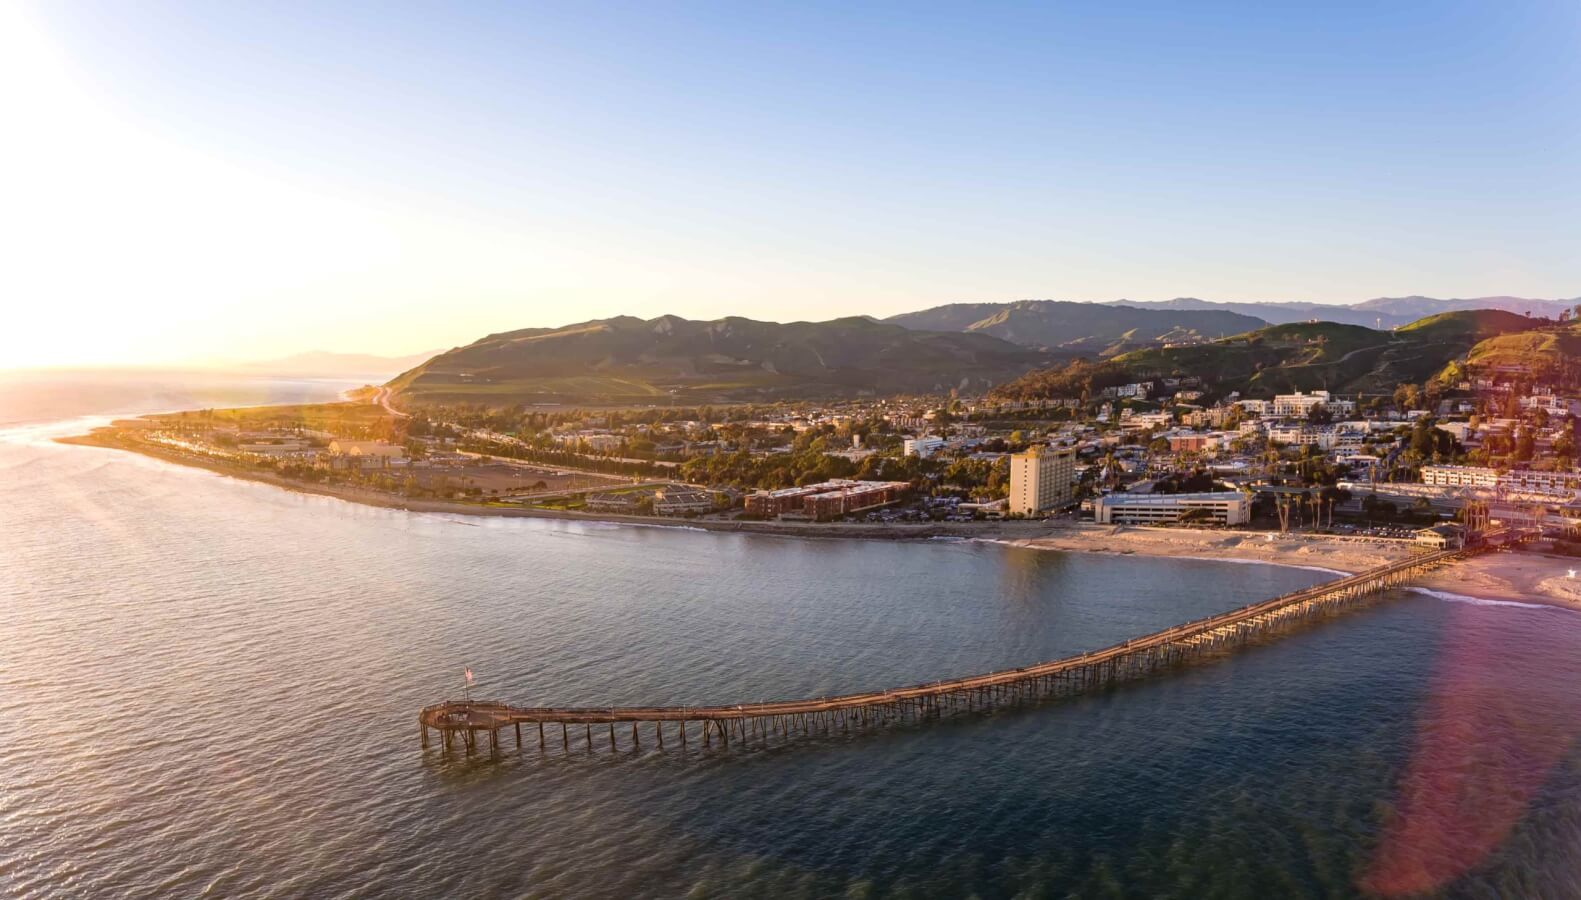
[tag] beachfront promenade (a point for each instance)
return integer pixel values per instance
(471, 723)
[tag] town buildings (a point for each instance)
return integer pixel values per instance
(1323, 437)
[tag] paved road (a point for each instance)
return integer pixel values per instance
(383, 399)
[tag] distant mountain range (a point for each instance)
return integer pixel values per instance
(637, 361)
(1116, 326)
(966, 346)
(322, 363)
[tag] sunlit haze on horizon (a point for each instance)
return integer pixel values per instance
(187, 184)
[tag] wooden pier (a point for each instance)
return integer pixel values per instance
(472, 723)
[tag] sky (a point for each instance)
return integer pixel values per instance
(202, 183)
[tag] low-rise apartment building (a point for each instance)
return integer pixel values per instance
(829, 500)
(1460, 476)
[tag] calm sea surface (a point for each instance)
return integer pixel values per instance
(209, 687)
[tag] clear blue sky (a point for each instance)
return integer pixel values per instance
(393, 177)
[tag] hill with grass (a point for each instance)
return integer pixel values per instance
(1299, 356)
(627, 360)
(1552, 354)
(1079, 328)
(1379, 312)
(1474, 324)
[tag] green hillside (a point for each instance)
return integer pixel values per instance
(1553, 354)
(1473, 323)
(1084, 328)
(1316, 355)
(1294, 356)
(629, 360)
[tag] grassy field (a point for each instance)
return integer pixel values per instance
(1349, 358)
(599, 389)
(1541, 352)
(334, 418)
(1298, 356)
(505, 478)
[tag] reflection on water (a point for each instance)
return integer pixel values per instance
(44, 396)
(1500, 715)
(211, 685)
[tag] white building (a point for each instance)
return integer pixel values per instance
(1299, 405)
(924, 446)
(1041, 479)
(1532, 481)
(1226, 507)
(1139, 391)
(1139, 421)
(1460, 476)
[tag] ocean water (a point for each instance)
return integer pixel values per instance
(30, 397)
(209, 687)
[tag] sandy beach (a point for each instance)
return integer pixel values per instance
(1522, 576)
(1337, 554)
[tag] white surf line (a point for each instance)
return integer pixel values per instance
(1238, 560)
(1451, 597)
(1446, 596)
(1242, 561)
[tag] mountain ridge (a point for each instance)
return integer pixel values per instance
(1384, 312)
(1378, 312)
(1293, 356)
(625, 359)
(1071, 327)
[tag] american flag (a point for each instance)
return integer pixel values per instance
(468, 673)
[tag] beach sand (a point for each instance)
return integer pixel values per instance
(1520, 575)
(1338, 554)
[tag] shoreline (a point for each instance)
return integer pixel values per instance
(107, 439)
(1511, 576)
(1518, 577)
